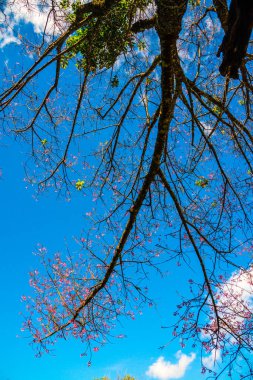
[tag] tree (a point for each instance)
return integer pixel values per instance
(134, 110)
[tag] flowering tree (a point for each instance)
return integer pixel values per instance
(127, 377)
(124, 102)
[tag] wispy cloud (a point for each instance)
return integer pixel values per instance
(235, 299)
(238, 291)
(234, 305)
(211, 360)
(165, 370)
(7, 37)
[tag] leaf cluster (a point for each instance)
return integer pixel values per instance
(98, 44)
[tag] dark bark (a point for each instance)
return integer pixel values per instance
(141, 25)
(222, 12)
(96, 7)
(235, 42)
(169, 16)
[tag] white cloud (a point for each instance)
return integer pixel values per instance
(207, 128)
(211, 360)
(37, 13)
(165, 370)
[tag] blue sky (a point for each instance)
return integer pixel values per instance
(51, 221)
